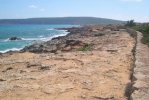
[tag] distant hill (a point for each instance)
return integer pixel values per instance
(62, 20)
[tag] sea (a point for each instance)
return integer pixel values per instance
(29, 34)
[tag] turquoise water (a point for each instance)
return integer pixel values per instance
(29, 34)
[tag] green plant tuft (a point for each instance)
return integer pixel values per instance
(86, 47)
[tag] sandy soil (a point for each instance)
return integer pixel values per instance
(98, 74)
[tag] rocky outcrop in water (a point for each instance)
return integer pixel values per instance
(14, 38)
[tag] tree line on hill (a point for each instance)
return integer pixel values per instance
(62, 20)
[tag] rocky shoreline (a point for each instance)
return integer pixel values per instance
(70, 41)
(90, 63)
(62, 42)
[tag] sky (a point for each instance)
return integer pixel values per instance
(113, 9)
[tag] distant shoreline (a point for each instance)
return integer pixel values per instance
(63, 20)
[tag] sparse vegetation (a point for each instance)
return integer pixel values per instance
(144, 28)
(86, 47)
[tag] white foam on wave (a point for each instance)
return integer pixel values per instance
(30, 39)
(34, 39)
(41, 36)
(6, 40)
(50, 29)
(64, 33)
(13, 49)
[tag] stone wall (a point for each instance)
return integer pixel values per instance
(141, 71)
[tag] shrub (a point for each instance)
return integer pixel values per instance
(144, 28)
(86, 47)
(145, 38)
(130, 23)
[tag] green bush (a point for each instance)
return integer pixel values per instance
(86, 47)
(145, 38)
(144, 28)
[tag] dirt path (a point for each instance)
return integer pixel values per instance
(99, 74)
(141, 71)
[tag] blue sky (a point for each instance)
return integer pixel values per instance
(114, 9)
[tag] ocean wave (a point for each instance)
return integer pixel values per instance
(22, 39)
(8, 39)
(49, 38)
(34, 39)
(30, 39)
(12, 49)
(41, 36)
(50, 29)
(54, 36)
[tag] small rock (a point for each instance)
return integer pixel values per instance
(2, 80)
(29, 65)
(9, 68)
(67, 48)
(57, 88)
(44, 67)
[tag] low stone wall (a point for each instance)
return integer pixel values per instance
(141, 71)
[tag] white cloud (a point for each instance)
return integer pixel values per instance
(36, 8)
(33, 6)
(132, 0)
